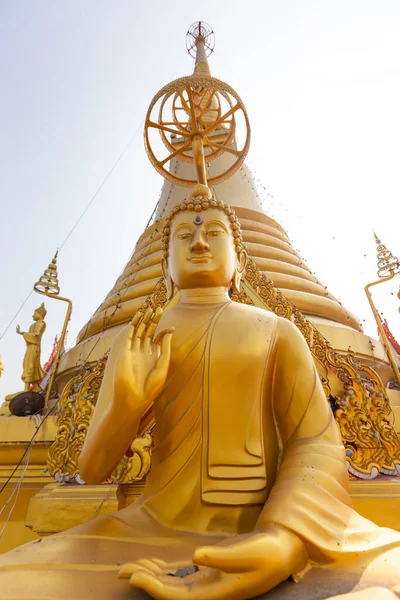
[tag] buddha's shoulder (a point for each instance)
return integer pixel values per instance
(261, 316)
(251, 314)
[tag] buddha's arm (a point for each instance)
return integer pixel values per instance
(135, 374)
(310, 496)
(31, 338)
(108, 436)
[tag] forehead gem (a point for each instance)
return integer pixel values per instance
(197, 220)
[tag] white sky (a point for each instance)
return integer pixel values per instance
(321, 83)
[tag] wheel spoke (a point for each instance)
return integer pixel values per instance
(194, 121)
(221, 119)
(171, 123)
(212, 94)
(185, 104)
(225, 148)
(162, 163)
(157, 126)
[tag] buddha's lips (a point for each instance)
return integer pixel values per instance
(203, 258)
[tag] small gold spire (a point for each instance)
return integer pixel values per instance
(48, 283)
(387, 263)
(388, 267)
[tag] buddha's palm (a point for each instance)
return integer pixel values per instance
(142, 365)
(240, 568)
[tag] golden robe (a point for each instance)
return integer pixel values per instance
(32, 370)
(280, 459)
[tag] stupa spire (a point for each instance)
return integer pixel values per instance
(200, 44)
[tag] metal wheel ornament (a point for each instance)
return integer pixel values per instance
(193, 108)
(200, 29)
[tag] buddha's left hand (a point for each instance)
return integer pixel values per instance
(239, 568)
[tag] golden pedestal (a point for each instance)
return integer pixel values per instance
(15, 435)
(60, 506)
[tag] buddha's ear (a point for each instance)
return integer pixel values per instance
(240, 268)
(169, 284)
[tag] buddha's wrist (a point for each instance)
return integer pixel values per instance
(126, 412)
(293, 546)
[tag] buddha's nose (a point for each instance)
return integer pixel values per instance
(199, 242)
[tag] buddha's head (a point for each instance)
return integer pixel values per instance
(202, 246)
(40, 313)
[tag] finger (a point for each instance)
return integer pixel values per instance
(126, 570)
(165, 353)
(225, 558)
(132, 326)
(153, 325)
(151, 331)
(142, 328)
(160, 587)
(160, 337)
(161, 563)
(175, 588)
(154, 322)
(144, 564)
(136, 318)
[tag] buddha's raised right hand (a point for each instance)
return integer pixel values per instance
(142, 365)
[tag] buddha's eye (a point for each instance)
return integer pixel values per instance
(185, 236)
(215, 232)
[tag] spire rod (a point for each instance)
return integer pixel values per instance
(200, 44)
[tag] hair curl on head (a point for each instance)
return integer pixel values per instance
(196, 205)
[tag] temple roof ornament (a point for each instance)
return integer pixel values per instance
(388, 267)
(48, 286)
(387, 263)
(197, 118)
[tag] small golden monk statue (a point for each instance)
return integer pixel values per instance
(32, 371)
(248, 486)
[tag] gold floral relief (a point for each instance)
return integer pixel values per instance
(363, 411)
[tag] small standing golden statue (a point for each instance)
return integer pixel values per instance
(32, 371)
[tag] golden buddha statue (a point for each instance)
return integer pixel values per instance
(32, 371)
(248, 485)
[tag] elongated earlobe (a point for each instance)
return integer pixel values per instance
(169, 284)
(238, 274)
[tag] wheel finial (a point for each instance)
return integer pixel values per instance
(200, 30)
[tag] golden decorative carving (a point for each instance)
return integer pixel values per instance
(363, 413)
(242, 298)
(75, 410)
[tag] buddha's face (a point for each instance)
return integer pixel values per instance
(201, 249)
